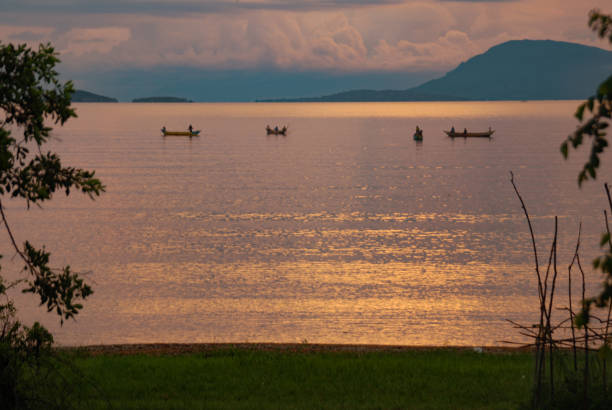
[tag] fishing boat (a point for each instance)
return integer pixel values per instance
(455, 134)
(192, 133)
(276, 130)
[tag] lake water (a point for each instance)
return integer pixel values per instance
(344, 231)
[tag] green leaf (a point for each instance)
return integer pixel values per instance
(581, 319)
(591, 169)
(605, 238)
(564, 149)
(580, 111)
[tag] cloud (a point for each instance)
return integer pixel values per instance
(478, 1)
(182, 7)
(322, 35)
(96, 41)
(444, 51)
(25, 34)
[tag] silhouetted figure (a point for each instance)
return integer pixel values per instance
(465, 132)
(418, 134)
(453, 129)
(190, 129)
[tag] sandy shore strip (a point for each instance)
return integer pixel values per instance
(187, 348)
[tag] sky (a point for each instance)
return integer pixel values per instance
(136, 48)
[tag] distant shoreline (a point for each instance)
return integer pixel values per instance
(333, 102)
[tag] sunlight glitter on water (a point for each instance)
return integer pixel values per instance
(345, 231)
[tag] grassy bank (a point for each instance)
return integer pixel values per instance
(246, 378)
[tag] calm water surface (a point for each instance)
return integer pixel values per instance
(345, 231)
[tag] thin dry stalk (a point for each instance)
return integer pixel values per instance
(548, 316)
(533, 242)
(586, 340)
(571, 311)
(596, 331)
(538, 340)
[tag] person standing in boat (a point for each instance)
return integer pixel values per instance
(190, 129)
(465, 132)
(452, 129)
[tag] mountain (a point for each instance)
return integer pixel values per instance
(515, 70)
(161, 100)
(527, 70)
(86, 96)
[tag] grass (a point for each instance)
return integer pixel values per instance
(241, 378)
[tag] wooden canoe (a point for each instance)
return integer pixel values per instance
(276, 131)
(194, 133)
(486, 134)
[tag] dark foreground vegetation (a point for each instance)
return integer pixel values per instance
(302, 377)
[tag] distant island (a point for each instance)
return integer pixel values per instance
(161, 100)
(86, 96)
(514, 70)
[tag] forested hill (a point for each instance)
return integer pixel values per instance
(515, 70)
(86, 96)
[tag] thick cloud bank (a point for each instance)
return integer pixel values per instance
(332, 35)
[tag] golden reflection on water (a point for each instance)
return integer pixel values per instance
(377, 110)
(354, 302)
(344, 231)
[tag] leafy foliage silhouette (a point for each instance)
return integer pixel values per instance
(599, 106)
(31, 96)
(599, 109)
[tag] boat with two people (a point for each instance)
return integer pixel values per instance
(189, 133)
(276, 130)
(468, 134)
(418, 134)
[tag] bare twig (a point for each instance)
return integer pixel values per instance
(533, 242)
(12, 238)
(548, 316)
(586, 339)
(538, 341)
(571, 311)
